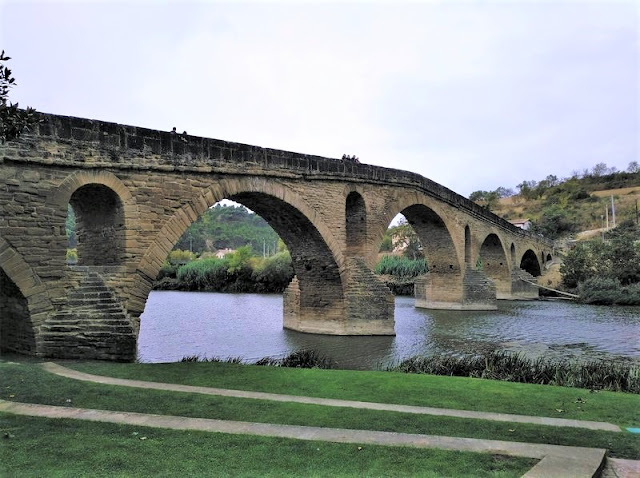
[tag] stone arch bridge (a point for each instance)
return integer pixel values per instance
(135, 191)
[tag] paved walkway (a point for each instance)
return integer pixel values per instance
(555, 460)
(330, 402)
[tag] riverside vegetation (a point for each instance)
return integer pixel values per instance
(495, 365)
(604, 269)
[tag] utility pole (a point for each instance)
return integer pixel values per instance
(613, 212)
(602, 228)
(606, 213)
(636, 212)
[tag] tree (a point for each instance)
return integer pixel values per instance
(617, 259)
(13, 121)
(486, 199)
(527, 189)
(633, 167)
(406, 239)
(600, 169)
(477, 196)
(503, 192)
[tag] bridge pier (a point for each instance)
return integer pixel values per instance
(454, 291)
(521, 290)
(367, 307)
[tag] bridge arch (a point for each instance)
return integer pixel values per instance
(356, 220)
(105, 214)
(430, 223)
(22, 297)
(467, 244)
(316, 256)
(530, 263)
(495, 264)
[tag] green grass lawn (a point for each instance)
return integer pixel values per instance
(622, 409)
(28, 382)
(51, 448)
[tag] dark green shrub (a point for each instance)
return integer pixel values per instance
(597, 290)
(205, 274)
(167, 270)
(274, 273)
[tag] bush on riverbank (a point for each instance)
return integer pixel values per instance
(242, 272)
(401, 267)
(606, 271)
(236, 272)
(605, 291)
(511, 367)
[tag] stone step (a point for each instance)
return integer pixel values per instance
(92, 302)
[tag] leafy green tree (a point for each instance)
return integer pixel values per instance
(13, 121)
(228, 227)
(503, 192)
(486, 199)
(527, 189)
(617, 259)
(554, 222)
(404, 237)
(239, 259)
(600, 169)
(575, 266)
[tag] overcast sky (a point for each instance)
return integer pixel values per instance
(472, 95)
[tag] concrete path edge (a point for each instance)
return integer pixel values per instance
(555, 460)
(330, 402)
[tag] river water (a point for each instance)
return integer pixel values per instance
(178, 324)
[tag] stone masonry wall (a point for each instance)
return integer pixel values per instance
(138, 190)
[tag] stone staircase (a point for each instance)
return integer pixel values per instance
(93, 325)
(478, 288)
(520, 286)
(367, 297)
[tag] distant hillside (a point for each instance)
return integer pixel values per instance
(562, 208)
(229, 227)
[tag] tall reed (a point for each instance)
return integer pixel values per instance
(501, 365)
(401, 267)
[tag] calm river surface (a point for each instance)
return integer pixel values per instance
(177, 324)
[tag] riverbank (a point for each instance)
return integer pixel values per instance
(39, 445)
(102, 449)
(397, 287)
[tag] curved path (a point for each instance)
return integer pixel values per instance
(555, 460)
(330, 402)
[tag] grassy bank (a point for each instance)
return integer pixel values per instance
(29, 383)
(42, 447)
